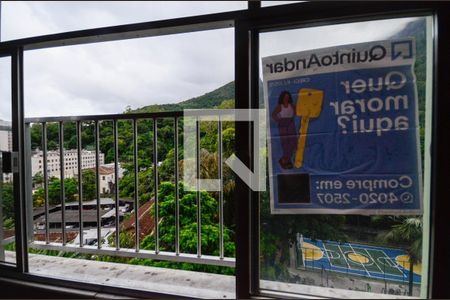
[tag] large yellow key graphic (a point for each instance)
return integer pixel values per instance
(309, 105)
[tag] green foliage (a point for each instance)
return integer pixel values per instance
(208, 100)
(228, 141)
(8, 201)
(277, 231)
(8, 223)
(54, 188)
(145, 184)
(38, 198)
(227, 104)
(405, 231)
(188, 229)
(89, 184)
(38, 178)
(70, 190)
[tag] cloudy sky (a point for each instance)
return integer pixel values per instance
(107, 77)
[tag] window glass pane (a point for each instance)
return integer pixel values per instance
(7, 232)
(165, 74)
(343, 255)
(47, 17)
(113, 77)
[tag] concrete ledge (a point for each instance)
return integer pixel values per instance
(150, 279)
(174, 282)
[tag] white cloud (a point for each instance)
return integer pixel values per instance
(286, 41)
(106, 77)
(133, 72)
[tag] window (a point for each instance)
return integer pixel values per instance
(347, 252)
(7, 189)
(231, 243)
(177, 76)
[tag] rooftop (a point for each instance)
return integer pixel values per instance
(103, 201)
(72, 216)
(146, 222)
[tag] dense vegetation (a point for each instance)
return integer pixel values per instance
(188, 231)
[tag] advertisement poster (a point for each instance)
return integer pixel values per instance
(344, 130)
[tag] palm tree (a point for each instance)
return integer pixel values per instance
(407, 231)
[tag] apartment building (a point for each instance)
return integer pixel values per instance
(5, 136)
(107, 177)
(6, 144)
(70, 162)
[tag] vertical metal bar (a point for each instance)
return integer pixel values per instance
(116, 180)
(18, 146)
(97, 176)
(62, 192)
(199, 208)
(28, 184)
(0, 21)
(136, 187)
(80, 183)
(45, 173)
(254, 196)
(242, 145)
(440, 247)
(221, 248)
(177, 194)
(155, 180)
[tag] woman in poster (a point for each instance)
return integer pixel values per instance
(283, 115)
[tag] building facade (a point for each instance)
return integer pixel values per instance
(70, 162)
(5, 136)
(6, 144)
(107, 178)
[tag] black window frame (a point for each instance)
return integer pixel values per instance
(248, 24)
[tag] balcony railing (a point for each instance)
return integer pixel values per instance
(135, 252)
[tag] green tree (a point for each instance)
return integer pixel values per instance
(38, 178)
(228, 141)
(38, 198)
(89, 184)
(8, 200)
(277, 231)
(54, 188)
(145, 185)
(188, 229)
(166, 170)
(406, 231)
(227, 104)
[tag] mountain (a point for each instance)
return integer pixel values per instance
(211, 99)
(417, 29)
(208, 100)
